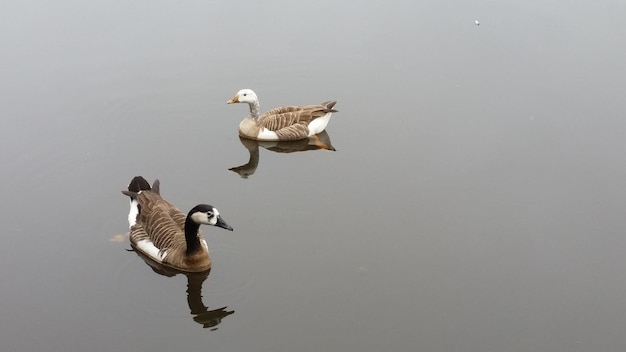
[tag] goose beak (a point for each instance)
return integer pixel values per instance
(221, 223)
(235, 99)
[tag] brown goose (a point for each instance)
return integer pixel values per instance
(163, 233)
(282, 124)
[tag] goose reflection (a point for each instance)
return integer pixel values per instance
(200, 313)
(316, 142)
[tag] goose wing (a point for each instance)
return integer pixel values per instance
(159, 222)
(291, 122)
(286, 116)
(294, 132)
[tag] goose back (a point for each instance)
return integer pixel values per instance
(289, 122)
(159, 233)
(282, 117)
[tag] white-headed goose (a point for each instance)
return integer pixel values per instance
(166, 235)
(282, 124)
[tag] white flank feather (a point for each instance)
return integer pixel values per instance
(147, 247)
(132, 214)
(266, 134)
(319, 124)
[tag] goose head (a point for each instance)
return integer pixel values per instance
(207, 215)
(244, 96)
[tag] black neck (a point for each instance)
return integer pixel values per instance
(191, 235)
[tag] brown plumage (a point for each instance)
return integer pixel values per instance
(283, 123)
(165, 234)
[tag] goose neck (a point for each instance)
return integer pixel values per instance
(191, 235)
(254, 110)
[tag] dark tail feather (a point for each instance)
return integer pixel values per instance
(138, 184)
(156, 186)
(329, 105)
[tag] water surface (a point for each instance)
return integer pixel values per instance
(474, 200)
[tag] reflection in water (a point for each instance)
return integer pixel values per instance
(318, 141)
(201, 313)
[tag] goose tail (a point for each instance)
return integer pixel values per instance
(136, 185)
(329, 106)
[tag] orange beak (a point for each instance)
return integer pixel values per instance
(235, 99)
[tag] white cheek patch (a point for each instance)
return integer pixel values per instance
(213, 219)
(319, 124)
(200, 218)
(203, 218)
(147, 247)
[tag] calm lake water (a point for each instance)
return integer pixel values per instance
(475, 201)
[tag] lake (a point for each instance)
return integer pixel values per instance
(470, 196)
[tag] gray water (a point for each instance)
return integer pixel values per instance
(475, 200)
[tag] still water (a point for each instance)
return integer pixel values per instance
(471, 197)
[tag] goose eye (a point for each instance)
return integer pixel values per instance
(209, 214)
(244, 94)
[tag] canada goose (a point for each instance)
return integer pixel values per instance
(282, 124)
(163, 233)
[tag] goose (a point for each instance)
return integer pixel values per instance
(282, 124)
(166, 235)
